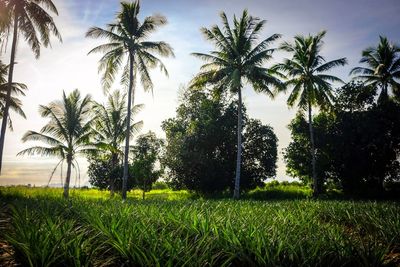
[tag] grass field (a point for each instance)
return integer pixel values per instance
(39, 228)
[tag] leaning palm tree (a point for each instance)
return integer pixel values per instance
(67, 133)
(383, 68)
(238, 60)
(311, 86)
(109, 128)
(29, 18)
(129, 51)
(17, 89)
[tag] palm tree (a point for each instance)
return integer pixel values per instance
(17, 89)
(383, 68)
(109, 128)
(310, 84)
(67, 133)
(29, 18)
(238, 60)
(128, 50)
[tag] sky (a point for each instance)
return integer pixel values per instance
(351, 26)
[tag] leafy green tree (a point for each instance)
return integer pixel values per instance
(354, 96)
(146, 154)
(260, 153)
(67, 133)
(129, 51)
(351, 154)
(101, 170)
(238, 60)
(311, 86)
(200, 145)
(17, 89)
(109, 129)
(383, 68)
(30, 19)
(297, 155)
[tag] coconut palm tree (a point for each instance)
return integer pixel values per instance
(29, 18)
(129, 51)
(238, 60)
(383, 68)
(109, 128)
(67, 133)
(311, 86)
(17, 89)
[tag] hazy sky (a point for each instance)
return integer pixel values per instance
(352, 25)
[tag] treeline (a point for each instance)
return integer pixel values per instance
(357, 144)
(212, 145)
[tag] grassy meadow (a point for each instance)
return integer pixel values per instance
(171, 228)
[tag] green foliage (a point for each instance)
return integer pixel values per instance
(128, 42)
(17, 89)
(297, 155)
(306, 72)
(358, 158)
(310, 85)
(146, 154)
(238, 58)
(383, 68)
(34, 23)
(67, 133)
(160, 185)
(47, 230)
(280, 191)
(200, 150)
(109, 131)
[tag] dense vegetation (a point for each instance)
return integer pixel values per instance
(201, 149)
(47, 230)
(345, 145)
(357, 144)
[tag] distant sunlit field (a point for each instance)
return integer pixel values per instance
(171, 228)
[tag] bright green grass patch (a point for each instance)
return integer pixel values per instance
(275, 190)
(31, 192)
(96, 231)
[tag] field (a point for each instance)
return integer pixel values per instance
(39, 228)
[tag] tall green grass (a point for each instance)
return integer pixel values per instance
(49, 231)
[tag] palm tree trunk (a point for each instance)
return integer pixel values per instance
(236, 192)
(8, 98)
(68, 178)
(383, 97)
(131, 98)
(313, 163)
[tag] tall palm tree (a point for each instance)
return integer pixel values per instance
(109, 128)
(311, 86)
(67, 134)
(383, 68)
(238, 60)
(17, 89)
(29, 18)
(129, 50)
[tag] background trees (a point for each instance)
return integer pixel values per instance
(238, 60)
(383, 68)
(109, 128)
(67, 134)
(311, 86)
(144, 169)
(357, 146)
(17, 89)
(30, 19)
(200, 148)
(146, 155)
(130, 51)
